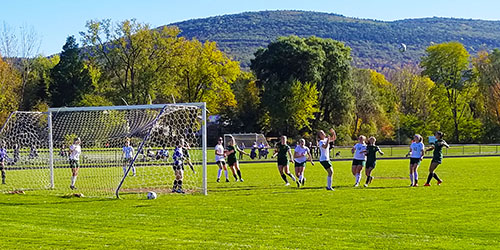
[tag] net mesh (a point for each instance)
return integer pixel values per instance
(102, 162)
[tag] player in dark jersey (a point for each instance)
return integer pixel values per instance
(178, 167)
(437, 157)
(3, 159)
(371, 159)
(284, 153)
(232, 161)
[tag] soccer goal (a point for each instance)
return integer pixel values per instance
(37, 145)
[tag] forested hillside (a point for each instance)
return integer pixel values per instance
(374, 44)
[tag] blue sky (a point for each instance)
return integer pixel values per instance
(54, 20)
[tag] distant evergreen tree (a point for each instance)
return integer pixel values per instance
(71, 80)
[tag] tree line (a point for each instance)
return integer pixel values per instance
(295, 85)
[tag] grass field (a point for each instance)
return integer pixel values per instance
(262, 213)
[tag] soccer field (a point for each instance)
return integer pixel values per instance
(261, 212)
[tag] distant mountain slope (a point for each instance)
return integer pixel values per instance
(374, 44)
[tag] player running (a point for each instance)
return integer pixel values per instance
(128, 152)
(324, 155)
(232, 161)
(3, 159)
(359, 151)
(178, 167)
(371, 159)
(416, 156)
(74, 158)
(301, 155)
(284, 153)
(437, 157)
(220, 159)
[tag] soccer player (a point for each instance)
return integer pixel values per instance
(220, 159)
(324, 155)
(416, 156)
(359, 151)
(74, 157)
(437, 157)
(232, 161)
(187, 157)
(284, 153)
(178, 166)
(3, 158)
(301, 155)
(371, 161)
(128, 152)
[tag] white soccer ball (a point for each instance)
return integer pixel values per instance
(151, 195)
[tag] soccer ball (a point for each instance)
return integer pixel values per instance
(151, 195)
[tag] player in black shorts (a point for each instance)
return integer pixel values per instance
(371, 159)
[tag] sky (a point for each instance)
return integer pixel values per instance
(54, 20)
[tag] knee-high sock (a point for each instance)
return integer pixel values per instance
(226, 173)
(291, 176)
(3, 176)
(436, 177)
(415, 176)
(411, 178)
(179, 184)
(328, 181)
(219, 173)
(301, 177)
(239, 173)
(283, 176)
(358, 178)
(73, 180)
(367, 179)
(124, 170)
(175, 184)
(429, 177)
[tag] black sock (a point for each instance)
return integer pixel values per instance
(291, 176)
(283, 176)
(3, 176)
(179, 184)
(175, 184)
(368, 179)
(239, 173)
(429, 178)
(436, 177)
(236, 178)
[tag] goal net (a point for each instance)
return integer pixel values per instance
(106, 165)
(255, 144)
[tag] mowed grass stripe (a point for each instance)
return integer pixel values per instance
(262, 213)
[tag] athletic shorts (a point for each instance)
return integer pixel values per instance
(358, 162)
(74, 163)
(437, 160)
(415, 161)
(300, 164)
(371, 164)
(178, 167)
(282, 162)
(231, 162)
(221, 162)
(326, 164)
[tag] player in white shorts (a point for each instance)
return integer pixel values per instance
(324, 157)
(220, 159)
(74, 158)
(359, 161)
(128, 155)
(417, 148)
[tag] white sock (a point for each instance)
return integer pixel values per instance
(301, 177)
(73, 180)
(219, 173)
(226, 173)
(133, 170)
(411, 178)
(328, 181)
(358, 178)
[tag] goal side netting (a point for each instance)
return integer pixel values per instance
(106, 165)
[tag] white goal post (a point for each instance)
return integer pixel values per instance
(38, 144)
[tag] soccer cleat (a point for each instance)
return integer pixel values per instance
(439, 183)
(427, 185)
(298, 184)
(415, 185)
(227, 180)
(303, 181)
(218, 180)
(411, 185)
(287, 184)
(180, 191)
(366, 185)
(235, 179)
(356, 184)
(241, 180)
(173, 190)
(330, 189)
(73, 187)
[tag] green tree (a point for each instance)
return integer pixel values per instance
(36, 92)
(71, 80)
(10, 84)
(447, 64)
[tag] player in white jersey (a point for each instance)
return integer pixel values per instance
(359, 161)
(416, 155)
(324, 157)
(74, 158)
(301, 155)
(220, 159)
(128, 156)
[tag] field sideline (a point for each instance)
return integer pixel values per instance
(262, 213)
